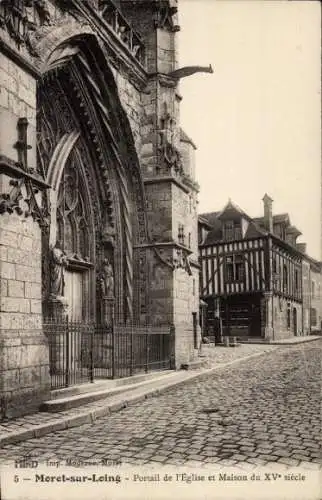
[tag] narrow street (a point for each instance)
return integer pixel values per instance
(256, 412)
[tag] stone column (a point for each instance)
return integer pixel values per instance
(57, 333)
(108, 304)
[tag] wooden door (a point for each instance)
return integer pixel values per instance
(74, 294)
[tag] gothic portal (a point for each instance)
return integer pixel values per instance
(96, 206)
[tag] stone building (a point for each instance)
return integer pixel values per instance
(312, 294)
(98, 192)
(255, 277)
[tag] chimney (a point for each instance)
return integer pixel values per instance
(301, 247)
(268, 213)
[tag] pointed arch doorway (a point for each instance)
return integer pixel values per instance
(81, 122)
(76, 237)
(92, 254)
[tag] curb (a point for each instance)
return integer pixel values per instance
(301, 340)
(90, 416)
(304, 340)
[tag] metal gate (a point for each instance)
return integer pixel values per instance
(81, 352)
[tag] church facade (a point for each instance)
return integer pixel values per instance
(98, 203)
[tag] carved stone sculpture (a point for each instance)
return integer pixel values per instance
(107, 279)
(190, 70)
(167, 148)
(58, 262)
(108, 235)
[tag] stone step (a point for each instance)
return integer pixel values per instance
(102, 384)
(74, 397)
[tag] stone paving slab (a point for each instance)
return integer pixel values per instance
(42, 423)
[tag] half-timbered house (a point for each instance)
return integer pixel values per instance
(251, 273)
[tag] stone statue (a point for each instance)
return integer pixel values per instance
(108, 235)
(59, 260)
(107, 279)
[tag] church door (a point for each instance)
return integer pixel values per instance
(74, 294)
(76, 237)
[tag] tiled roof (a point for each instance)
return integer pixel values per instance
(293, 230)
(213, 218)
(276, 219)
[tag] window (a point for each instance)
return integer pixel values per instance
(230, 269)
(285, 277)
(313, 289)
(181, 235)
(297, 281)
(283, 232)
(232, 231)
(239, 264)
(313, 316)
(238, 232)
(288, 316)
(229, 230)
(235, 269)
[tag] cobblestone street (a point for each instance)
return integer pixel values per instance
(259, 411)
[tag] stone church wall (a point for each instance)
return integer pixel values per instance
(24, 363)
(17, 99)
(131, 101)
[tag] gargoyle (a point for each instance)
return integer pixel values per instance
(190, 70)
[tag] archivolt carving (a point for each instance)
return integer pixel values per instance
(93, 95)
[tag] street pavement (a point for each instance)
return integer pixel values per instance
(260, 411)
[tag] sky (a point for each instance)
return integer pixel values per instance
(256, 120)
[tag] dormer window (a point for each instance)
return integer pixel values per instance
(228, 230)
(238, 232)
(283, 232)
(231, 231)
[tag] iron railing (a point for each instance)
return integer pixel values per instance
(80, 352)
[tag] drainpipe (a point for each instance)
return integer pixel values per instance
(273, 332)
(310, 300)
(302, 298)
